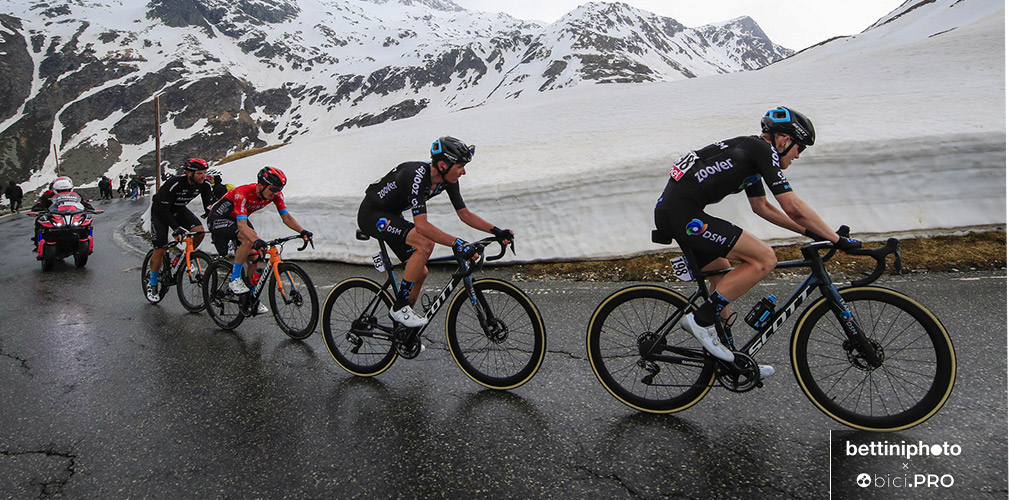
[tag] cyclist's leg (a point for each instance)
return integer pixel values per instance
(416, 266)
(758, 261)
(191, 222)
(159, 238)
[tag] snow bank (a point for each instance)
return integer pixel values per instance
(910, 119)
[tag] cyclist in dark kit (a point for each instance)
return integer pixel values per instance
(168, 210)
(707, 175)
(408, 187)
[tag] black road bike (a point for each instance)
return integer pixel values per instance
(494, 331)
(867, 356)
(293, 300)
(183, 268)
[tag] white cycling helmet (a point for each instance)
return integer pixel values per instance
(63, 184)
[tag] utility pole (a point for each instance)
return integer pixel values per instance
(157, 144)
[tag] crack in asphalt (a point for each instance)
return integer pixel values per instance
(55, 486)
(21, 361)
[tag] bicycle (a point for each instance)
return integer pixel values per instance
(286, 279)
(866, 356)
(185, 269)
(499, 341)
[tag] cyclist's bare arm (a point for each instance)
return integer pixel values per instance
(474, 221)
(805, 216)
(767, 211)
(290, 222)
(429, 231)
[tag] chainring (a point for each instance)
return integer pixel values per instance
(742, 376)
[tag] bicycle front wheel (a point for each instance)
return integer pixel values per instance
(145, 275)
(294, 302)
(510, 349)
(349, 317)
(914, 381)
(624, 327)
(223, 306)
(189, 281)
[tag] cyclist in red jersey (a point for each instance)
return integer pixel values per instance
(229, 219)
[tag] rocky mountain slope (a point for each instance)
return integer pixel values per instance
(78, 77)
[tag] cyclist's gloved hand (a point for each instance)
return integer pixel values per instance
(845, 243)
(306, 234)
(179, 233)
(463, 250)
(502, 234)
(259, 245)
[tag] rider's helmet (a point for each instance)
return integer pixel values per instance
(213, 172)
(63, 184)
(272, 176)
(195, 164)
(782, 120)
(451, 150)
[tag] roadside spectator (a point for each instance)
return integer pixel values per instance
(122, 185)
(14, 195)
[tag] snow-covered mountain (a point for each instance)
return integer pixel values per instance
(78, 76)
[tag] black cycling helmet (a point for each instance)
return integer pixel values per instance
(195, 165)
(451, 150)
(271, 176)
(790, 122)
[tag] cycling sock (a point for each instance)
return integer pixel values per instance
(707, 314)
(154, 278)
(236, 271)
(403, 297)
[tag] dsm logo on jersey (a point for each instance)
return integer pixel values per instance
(382, 224)
(696, 226)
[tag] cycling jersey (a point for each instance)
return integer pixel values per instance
(707, 176)
(408, 186)
(169, 203)
(242, 201)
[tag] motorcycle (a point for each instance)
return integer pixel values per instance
(64, 230)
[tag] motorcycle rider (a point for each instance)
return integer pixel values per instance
(61, 191)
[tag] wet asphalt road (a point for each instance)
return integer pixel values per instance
(106, 396)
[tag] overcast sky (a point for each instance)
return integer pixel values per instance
(796, 24)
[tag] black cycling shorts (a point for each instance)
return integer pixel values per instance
(222, 231)
(159, 228)
(390, 227)
(706, 235)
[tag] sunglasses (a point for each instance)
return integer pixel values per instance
(275, 189)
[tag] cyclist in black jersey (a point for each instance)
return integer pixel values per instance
(709, 174)
(408, 187)
(168, 210)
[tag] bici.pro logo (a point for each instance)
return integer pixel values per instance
(696, 226)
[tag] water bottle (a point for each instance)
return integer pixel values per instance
(760, 312)
(255, 277)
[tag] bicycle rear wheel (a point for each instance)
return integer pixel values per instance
(189, 281)
(914, 381)
(347, 323)
(510, 350)
(296, 305)
(163, 282)
(622, 328)
(222, 305)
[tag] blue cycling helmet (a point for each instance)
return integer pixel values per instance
(782, 120)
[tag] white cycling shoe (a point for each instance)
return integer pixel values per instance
(407, 317)
(708, 338)
(238, 286)
(152, 293)
(766, 371)
(262, 309)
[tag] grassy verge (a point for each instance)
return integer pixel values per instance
(976, 251)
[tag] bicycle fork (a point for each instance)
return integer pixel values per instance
(862, 352)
